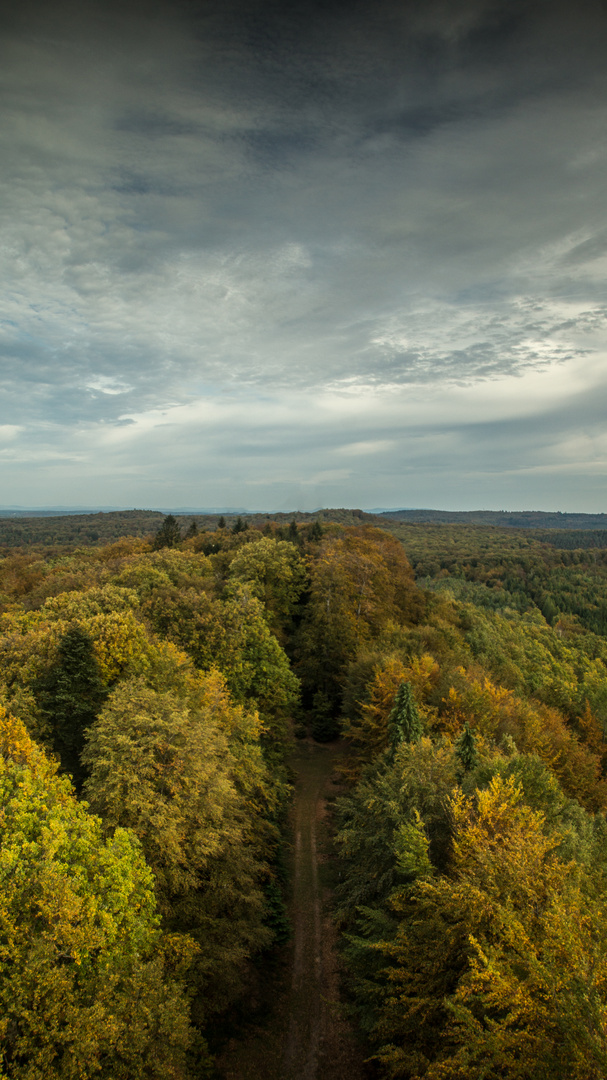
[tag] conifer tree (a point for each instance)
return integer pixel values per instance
(221, 524)
(71, 696)
(404, 722)
(465, 748)
(169, 533)
(315, 534)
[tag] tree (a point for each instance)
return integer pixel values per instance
(166, 771)
(499, 967)
(221, 524)
(192, 529)
(465, 748)
(85, 983)
(315, 533)
(239, 525)
(404, 722)
(368, 732)
(168, 535)
(70, 697)
(276, 574)
(360, 580)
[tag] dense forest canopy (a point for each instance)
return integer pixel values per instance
(150, 690)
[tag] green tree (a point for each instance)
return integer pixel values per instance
(465, 748)
(315, 533)
(276, 574)
(404, 722)
(70, 697)
(168, 535)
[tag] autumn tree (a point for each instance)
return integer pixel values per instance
(166, 771)
(367, 732)
(86, 988)
(276, 574)
(497, 967)
(360, 579)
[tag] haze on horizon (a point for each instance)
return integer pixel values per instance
(284, 256)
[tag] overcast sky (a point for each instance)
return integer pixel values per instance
(284, 255)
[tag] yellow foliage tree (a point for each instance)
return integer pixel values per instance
(85, 984)
(499, 968)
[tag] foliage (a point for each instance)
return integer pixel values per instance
(70, 696)
(276, 574)
(168, 535)
(404, 721)
(165, 771)
(465, 748)
(85, 983)
(519, 987)
(360, 580)
(471, 835)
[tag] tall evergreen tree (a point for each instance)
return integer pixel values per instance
(404, 722)
(221, 524)
(71, 696)
(465, 748)
(169, 533)
(316, 532)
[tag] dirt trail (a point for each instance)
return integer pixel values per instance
(304, 1038)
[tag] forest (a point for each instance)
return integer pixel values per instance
(151, 691)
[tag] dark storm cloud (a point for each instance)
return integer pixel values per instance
(317, 243)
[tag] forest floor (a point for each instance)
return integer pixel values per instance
(298, 1032)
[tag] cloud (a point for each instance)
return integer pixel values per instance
(253, 233)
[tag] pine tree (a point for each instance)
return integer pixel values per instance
(316, 532)
(168, 535)
(465, 748)
(71, 697)
(239, 525)
(221, 524)
(404, 722)
(192, 530)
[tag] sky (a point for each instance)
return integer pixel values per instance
(277, 255)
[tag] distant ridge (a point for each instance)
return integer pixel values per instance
(513, 519)
(68, 527)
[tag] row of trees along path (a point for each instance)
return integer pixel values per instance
(302, 1035)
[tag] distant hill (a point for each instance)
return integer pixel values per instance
(68, 529)
(65, 529)
(518, 519)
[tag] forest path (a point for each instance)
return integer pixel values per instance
(304, 1037)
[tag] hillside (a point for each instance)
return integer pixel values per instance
(519, 519)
